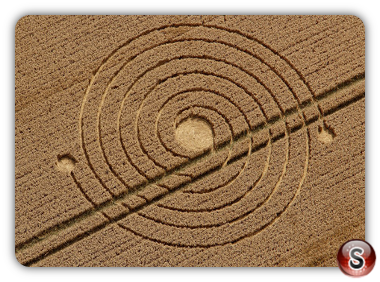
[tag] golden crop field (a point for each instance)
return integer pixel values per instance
(188, 140)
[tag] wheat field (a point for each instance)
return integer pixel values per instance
(188, 140)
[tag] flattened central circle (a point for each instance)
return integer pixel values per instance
(194, 134)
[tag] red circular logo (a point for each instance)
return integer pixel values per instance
(356, 258)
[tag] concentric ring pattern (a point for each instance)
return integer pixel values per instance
(250, 96)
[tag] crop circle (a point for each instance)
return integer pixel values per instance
(239, 93)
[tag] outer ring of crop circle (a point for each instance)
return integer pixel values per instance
(152, 47)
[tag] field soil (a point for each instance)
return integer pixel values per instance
(188, 140)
